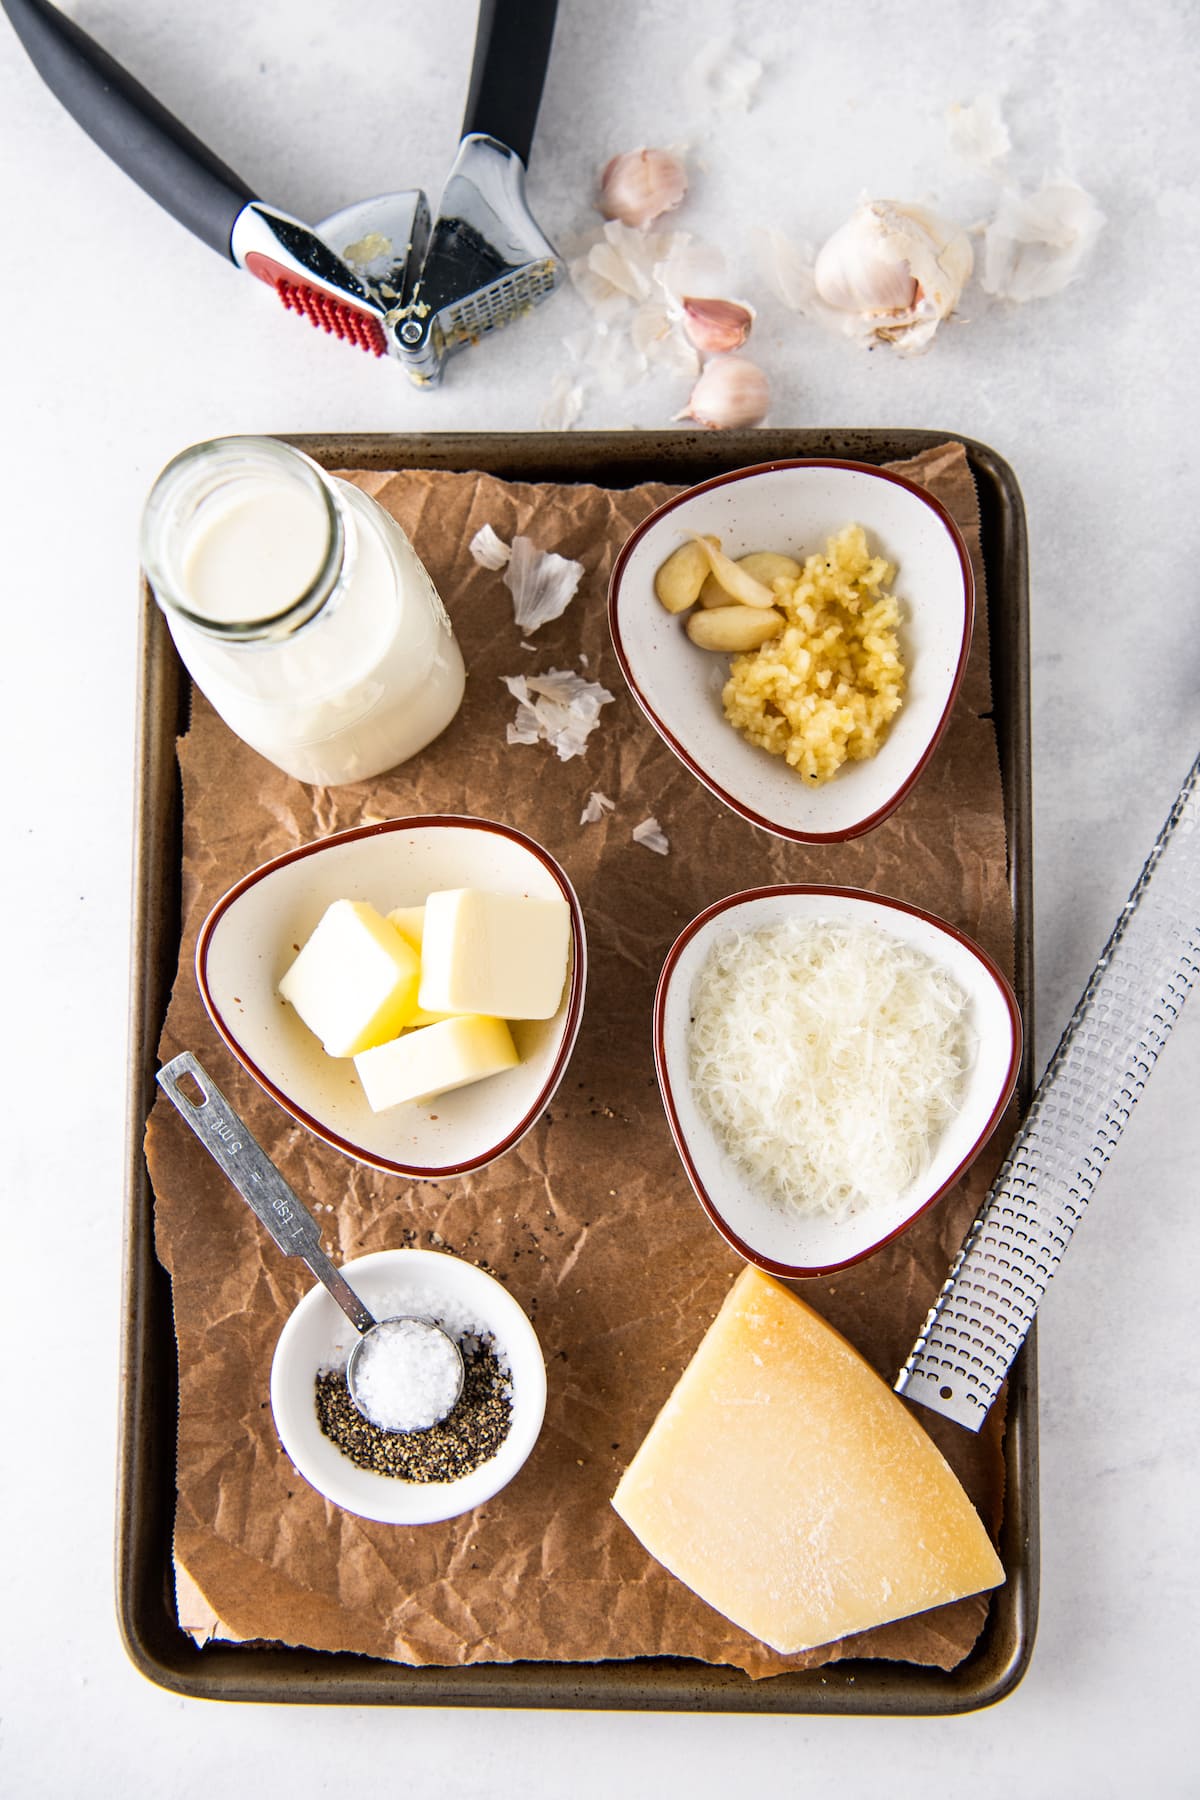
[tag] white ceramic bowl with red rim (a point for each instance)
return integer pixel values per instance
(763, 1230)
(319, 1335)
(252, 936)
(794, 507)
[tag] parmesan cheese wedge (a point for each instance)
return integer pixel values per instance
(792, 1490)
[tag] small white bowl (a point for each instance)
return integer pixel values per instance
(778, 1238)
(252, 935)
(795, 507)
(319, 1335)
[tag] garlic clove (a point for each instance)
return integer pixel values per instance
(715, 326)
(896, 270)
(731, 391)
(857, 272)
(640, 185)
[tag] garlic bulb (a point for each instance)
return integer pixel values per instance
(714, 326)
(731, 391)
(641, 185)
(896, 271)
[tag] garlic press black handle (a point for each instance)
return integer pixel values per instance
(130, 125)
(512, 49)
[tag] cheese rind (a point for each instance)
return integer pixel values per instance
(435, 1060)
(354, 983)
(499, 954)
(792, 1490)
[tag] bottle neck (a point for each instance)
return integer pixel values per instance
(244, 538)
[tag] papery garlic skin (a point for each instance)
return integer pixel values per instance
(978, 133)
(640, 185)
(895, 271)
(1036, 244)
(716, 326)
(731, 391)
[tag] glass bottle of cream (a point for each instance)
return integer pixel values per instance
(300, 608)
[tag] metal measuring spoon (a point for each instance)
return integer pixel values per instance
(271, 1199)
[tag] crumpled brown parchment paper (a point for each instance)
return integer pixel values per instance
(590, 1221)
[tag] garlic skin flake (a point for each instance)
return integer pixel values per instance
(632, 283)
(651, 836)
(722, 77)
(596, 806)
(978, 133)
(1036, 244)
(716, 326)
(542, 584)
(564, 404)
(639, 186)
(894, 271)
(731, 391)
(556, 708)
(489, 550)
(787, 269)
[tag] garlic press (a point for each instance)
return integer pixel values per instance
(381, 274)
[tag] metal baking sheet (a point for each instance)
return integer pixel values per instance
(146, 1464)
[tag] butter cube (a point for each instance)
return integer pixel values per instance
(410, 923)
(355, 982)
(434, 1060)
(499, 954)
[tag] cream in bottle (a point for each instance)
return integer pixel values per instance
(301, 610)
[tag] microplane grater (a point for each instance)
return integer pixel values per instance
(1091, 1085)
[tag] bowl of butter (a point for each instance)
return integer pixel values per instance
(410, 991)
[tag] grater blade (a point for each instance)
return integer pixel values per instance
(1091, 1085)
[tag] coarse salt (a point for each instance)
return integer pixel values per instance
(407, 1375)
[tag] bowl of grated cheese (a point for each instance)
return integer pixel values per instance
(818, 723)
(830, 1062)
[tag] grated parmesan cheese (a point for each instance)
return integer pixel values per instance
(827, 1057)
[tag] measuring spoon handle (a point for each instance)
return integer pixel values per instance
(233, 1146)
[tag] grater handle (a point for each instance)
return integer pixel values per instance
(512, 50)
(1091, 1085)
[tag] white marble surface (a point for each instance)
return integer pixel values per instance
(125, 340)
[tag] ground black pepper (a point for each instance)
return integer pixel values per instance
(465, 1438)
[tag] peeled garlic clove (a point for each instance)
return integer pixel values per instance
(766, 566)
(770, 566)
(640, 185)
(681, 577)
(898, 269)
(734, 628)
(731, 391)
(715, 326)
(734, 577)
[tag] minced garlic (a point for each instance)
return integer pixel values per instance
(824, 690)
